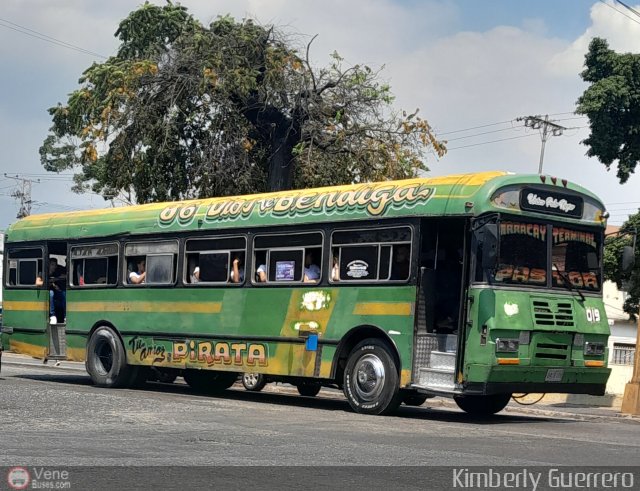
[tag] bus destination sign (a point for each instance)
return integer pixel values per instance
(532, 199)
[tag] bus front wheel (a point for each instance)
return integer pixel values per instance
(209, 381)
(482, 405)
(371, 383)
(106, 360)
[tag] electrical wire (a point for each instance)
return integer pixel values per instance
(492, 141)
(44, 37)
(521, 396)
(620, 12)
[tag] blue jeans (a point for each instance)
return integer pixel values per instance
(58, 303)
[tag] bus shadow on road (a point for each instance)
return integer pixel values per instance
(327, 401)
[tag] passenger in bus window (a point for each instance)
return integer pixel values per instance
(261, 273)
(237, 270)
(195, 275)
(311, 270)
(138, 277)
(400, 265)
(335, 269)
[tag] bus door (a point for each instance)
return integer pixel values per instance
(56, 282)
(439, 307)
(25, 300)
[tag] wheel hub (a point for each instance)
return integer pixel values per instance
(370, 377)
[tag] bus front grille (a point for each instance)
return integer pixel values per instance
(553, 314)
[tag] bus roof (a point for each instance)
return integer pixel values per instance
(463, 194)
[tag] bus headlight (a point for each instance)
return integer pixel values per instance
(507, 345)
(593, 349)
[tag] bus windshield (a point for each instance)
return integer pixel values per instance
(544, 255)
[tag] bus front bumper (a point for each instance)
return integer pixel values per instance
(485, 380)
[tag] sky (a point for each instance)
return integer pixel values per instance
(471, 66)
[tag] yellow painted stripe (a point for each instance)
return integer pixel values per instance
(27, 349)
(382, 308)
(141, 306)
(10, 305)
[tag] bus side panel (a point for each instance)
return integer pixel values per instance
(26, 312)
(242, 329)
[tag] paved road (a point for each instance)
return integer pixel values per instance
(56, 418)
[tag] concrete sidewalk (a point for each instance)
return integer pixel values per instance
(551, 405)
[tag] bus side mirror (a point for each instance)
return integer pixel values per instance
(628, 259)
(489, 246)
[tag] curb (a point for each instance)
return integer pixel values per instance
(18, 361)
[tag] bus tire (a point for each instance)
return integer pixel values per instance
(309, 389)
(414, 399)
(209, 381)
(482, 405)
(371, 382)
(253, 382)
(106, 360)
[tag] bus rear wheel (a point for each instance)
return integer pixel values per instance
(482, 405)
(371, 382)
(107, 362)
(209, 381)
(309, 389)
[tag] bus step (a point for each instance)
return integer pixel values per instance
(442, 360)
(436, 378)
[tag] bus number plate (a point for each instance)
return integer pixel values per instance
(554, 375)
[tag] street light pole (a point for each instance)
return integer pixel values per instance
(547, 127)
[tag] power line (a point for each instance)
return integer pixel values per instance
(44, 37)
(484, 133)
(620, 12)
(628, 8)
(475, 127)
(492, 141)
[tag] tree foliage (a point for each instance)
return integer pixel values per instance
(612, 103)
(185, 110)
(612, 257)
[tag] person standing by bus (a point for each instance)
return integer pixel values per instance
(57, 290)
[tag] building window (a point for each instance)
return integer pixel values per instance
(623, 354)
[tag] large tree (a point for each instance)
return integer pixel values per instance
(185, 110)
(612, 103)
(612, 256)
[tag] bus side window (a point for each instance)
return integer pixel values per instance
(211, 260)
(371, 254)
(25, 267)
(288, 258)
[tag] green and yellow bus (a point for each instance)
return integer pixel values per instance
(469, 286)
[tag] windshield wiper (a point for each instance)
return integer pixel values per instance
(567, 282)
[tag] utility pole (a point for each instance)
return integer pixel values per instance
(23, 193)
(549, 128)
